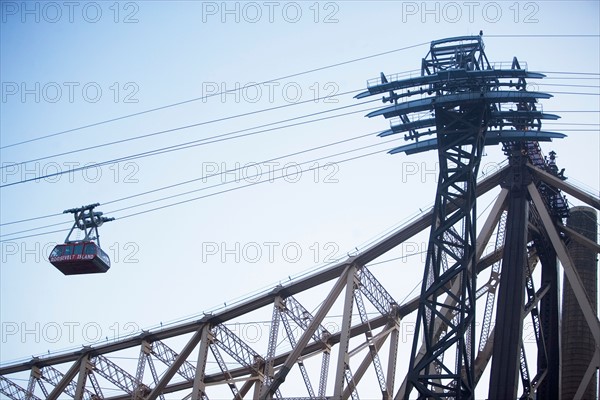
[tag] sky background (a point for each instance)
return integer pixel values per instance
(77, 78)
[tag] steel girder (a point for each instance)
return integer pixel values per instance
(509, 316)
(183, 351)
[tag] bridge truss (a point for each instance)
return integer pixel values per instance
(305, 356)
(339, 333)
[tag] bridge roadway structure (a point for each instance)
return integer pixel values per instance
(491, 269)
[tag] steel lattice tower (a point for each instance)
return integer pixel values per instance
(466, 102)
(463, 102)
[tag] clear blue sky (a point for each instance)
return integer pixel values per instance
(64, 68)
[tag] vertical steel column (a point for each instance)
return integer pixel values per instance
(511, 294)
(324, 371)
(549, 389)
(82, 378)
(342, 363)
(34, 375)
(460, 138)
(272, 345)
(199, 386)
(392, 357)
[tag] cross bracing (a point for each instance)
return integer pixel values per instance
(302, 359)
(467, 103)
(339, 333)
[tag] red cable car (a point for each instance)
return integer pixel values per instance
(85, 256)
(79, 258)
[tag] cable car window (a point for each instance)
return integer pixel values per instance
(68, 250)
(103, 256)
(90, 248)
(56, 252)
(78, 249)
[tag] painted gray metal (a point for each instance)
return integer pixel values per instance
(264, 376)
(383, 329)
(492, 138)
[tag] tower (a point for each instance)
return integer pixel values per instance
(467, 103)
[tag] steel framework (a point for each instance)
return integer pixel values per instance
(87, 220)
(351, 344)
(467, 103)
(177, 357)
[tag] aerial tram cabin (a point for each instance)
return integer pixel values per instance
(79, 258)
(76, 257)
